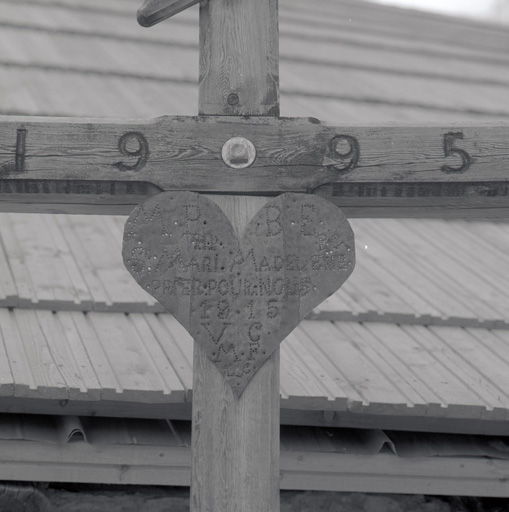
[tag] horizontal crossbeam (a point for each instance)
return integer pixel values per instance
(102, 166)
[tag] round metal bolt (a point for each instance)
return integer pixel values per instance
(238, 153)
(233, 98)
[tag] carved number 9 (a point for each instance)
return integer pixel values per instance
(351, 157)
(125, 148)
(450, 150)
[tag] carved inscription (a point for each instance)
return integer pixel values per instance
(21, 135)
(18, 165)
(450, 150)
(133, 144)
(238, 298)
(345, 148)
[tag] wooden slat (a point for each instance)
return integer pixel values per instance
(386, 473)
(377, 392)
(308, 357)
(473, 379)
(8, 290)
(358, 303)
(494, 235)
(405, 25)
(14, 254)
(466, 286)
(408, 302)
(470, 255)
(469, 353)
(22, 377)
(461, 268)
(158, 358)
(304, 470)
(319, 55)
(8, 369)
(70, 231)
(384, 272)
(56, 280)
(299, 386)
(350, 397)
(98, 254)
(491, 240)
(486, 350)
(379, 302)
(86, 94)
(63, 255)
(78, 386)
(104, 370)
(353, 109)
(369, 341)
(377, 57)
(88, 370)
(177, 345)
(396, 87)
(432, 278)
(455, 400)
(47, 377)
(418, 399)
(39, 267)
(129, 360)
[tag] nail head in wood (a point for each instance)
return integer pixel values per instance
(233, 98)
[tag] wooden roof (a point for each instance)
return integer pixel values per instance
(408, 377)
(417, 339)
(407, 271)
(343, 61)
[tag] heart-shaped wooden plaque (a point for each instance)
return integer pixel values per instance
(238, 298)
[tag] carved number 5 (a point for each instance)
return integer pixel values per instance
(450, 150)
(141, 152)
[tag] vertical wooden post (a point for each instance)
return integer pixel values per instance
(239, 58)
(235, 441)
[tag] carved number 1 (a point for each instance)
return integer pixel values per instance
(450, 150)
(21, 136)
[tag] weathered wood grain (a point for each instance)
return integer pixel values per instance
(382, 170)
(235, 440)
(307, 467)
(239, 58)
(155, 11)
(238, 293)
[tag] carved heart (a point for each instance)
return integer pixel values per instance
(238, 298)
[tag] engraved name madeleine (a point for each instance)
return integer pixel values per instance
(238, 297)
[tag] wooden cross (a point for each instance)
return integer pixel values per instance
(391, 171)
(240, 152)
